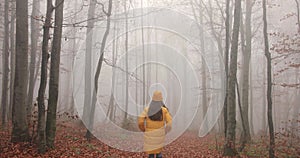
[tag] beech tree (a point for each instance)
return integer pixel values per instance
(246, 137)
(33, 51)
(12, 55)
(5, 60)
(229, 149)
(43, 83)
(269, 83)
(88, 64)
(20, 127)
(54, 74)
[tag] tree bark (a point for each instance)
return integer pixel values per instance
(126, 60)
(5, 60)
(54, 74)
(264, 108)
(229, 149)
(44, 73)
(227, 45)
(34, 45)
(246, 137)
(20, 131)
(269, 83)
(12, 56)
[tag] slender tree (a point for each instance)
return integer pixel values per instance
(126, 60)
(264, 101)
(34, 45)
(200, 23)
(54, 74)
(5, 60)
(88, 64)
(229, 149)
(20, 127)
(246, 137)
(226, 61)
(44, 73)
(111, 106)
(269, 83)
(12, 56)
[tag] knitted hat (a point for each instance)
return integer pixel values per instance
(157, 96)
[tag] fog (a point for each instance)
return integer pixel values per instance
(176, 47)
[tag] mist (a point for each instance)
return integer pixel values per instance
(185, 49)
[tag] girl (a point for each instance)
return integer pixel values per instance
(155, 121)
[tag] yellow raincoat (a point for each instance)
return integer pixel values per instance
(155, 131)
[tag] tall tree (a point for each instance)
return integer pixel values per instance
(34, 45)
(226, 61)
(5, 60)
(269, 82)
(54, 74)
(200, 25)
(246, 137)
(44, 73)
(126, 60)
(111, 107)
(229, 149)
(12, 55)
(88, 64)
(73, 49)
(98, 69)
(20, 127)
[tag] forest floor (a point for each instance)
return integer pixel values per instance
(70, 142)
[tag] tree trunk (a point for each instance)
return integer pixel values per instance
(5, 60)
(73, 55)
(34, 45)
(251, 102)
(98, 70)
(227, 45)
(243, 142)
(54, 74)
(88, 65)
(229, 149)
(269, 83)
(264, 108)
(126, 59)
(44, 73)
(246, 137)
(12, 56)
(112, 108)
(20, 127)
(203, 66)
(202, 45)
